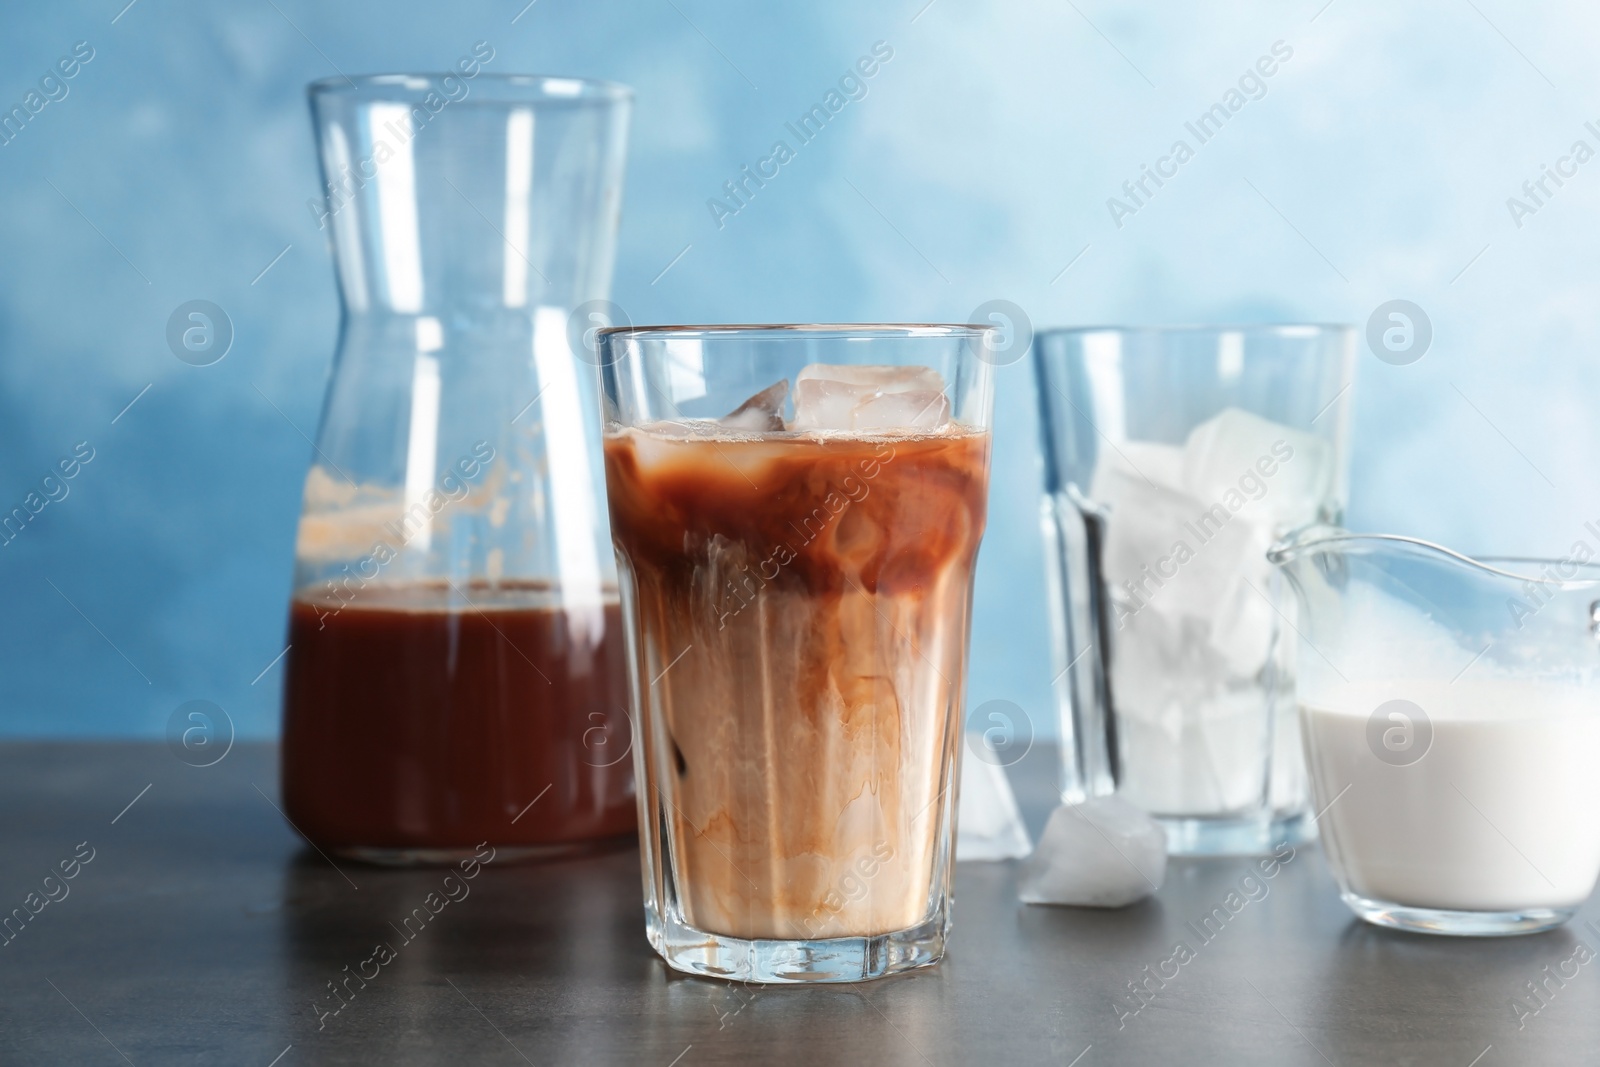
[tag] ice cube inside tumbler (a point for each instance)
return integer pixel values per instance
(828, 397)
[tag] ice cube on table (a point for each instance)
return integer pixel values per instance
(1103, 853)
(850, 397)
(1237, 446)
(762, 413)
(988, 825)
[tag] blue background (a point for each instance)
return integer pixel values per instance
(1377, 166)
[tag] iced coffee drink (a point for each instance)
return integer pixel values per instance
(800, 590)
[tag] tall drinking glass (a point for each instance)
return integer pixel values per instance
(455, 672)
(1172, 460)
(796, 512)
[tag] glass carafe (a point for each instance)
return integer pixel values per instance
(456, 672)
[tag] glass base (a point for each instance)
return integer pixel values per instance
(1457, 923)
(837, 959)
(1253, 835)
(448, 857)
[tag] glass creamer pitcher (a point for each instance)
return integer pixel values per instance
(456, 672)
(1451, 717)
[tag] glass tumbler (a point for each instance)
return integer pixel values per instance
(455, 671)
(1451, 713)
(1173, 458)
(796, 512)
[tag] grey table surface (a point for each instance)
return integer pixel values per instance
(204, 931)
